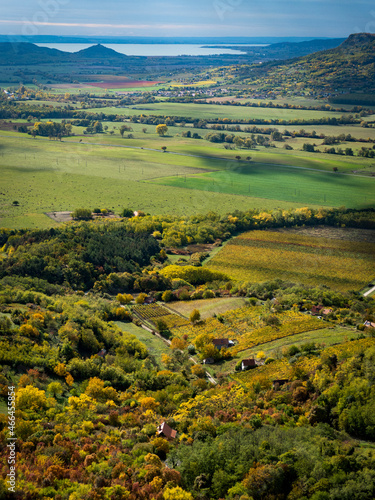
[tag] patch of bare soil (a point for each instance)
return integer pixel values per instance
(67, 216)
(337, 233)
(14, 126)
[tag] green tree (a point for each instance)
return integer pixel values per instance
(55, 388)
(127, 212)
(82, 213)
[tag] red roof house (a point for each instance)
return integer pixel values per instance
(166, 431)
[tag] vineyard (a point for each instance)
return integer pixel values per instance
(151, 312)
(248, 327)
(147, 312)
(264, 255)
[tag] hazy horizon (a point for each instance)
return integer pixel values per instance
(203, 18)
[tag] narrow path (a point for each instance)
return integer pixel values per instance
(369, 291)
(154, 332)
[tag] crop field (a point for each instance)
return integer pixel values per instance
(323, 337)
(150, 313)
(207, 307)
(258, 256)
(206, 111)
(282, 183)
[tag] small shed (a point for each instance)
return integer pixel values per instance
(208, 361)
(219, 343)
(248, 363)
(165, 430)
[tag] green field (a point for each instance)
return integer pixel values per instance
(205, 111)
(45, 176)
(155, 346)
(282, 183)
(207, 307)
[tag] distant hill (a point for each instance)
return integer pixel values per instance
(28, 53)
(98, 52)
(19, 53)
(289, 50)
(350, 67)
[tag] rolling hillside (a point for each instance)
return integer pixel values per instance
(350, 67)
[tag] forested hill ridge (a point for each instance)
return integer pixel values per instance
(290, 50)
(350, 67)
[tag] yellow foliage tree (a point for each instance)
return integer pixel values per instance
(141, 298)
(29, 331)
(177, 493)
(30, 398)
(166, 360)
(198, 371)
(203, 339)
(178, 344)
(149, 403)
(161, 129)
(60, 370)
(96, 390)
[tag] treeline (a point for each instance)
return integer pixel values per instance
(22, 111)
(51, 129)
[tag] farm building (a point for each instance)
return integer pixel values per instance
(166, 431)
(248, 363)
(219, 343)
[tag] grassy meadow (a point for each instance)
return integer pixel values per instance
(282, 183)
(205, 111)
(45, 176)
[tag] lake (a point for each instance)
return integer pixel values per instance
(131, 49)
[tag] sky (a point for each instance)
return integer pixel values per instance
(218, 18)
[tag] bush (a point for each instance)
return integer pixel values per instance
(82, 214)
(167, 296)
(141, 298)
(195, 316)
(208, 294)
(127, 212)
(293, 350)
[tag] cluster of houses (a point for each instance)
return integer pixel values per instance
(320, 311)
